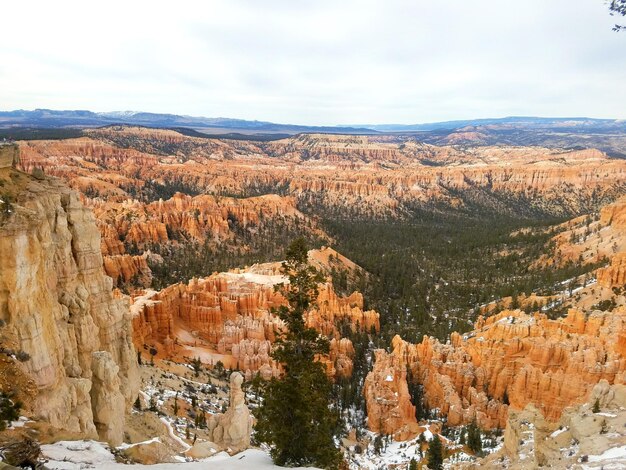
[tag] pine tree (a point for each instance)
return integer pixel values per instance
(153, 352)
(295, 418)
(596, 406)
(9, 410)
(474, 441)
(435, 454)
(176, 405)
(413, 464)
(196, 364)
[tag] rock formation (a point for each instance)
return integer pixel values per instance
(531, 441)
(127, 269)
(589, 239)
(59, 308)
(614, 275)
(369, 175)
(389, 407)
(230, 314)
(183, 217)
(232, 430)
(9, 155)
(509, 360)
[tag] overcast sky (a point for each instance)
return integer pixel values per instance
(315, 61)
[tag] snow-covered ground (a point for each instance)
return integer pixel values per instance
(79, 455)
(611, 459)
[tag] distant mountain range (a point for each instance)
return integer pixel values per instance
(47, 118)
(80, 118)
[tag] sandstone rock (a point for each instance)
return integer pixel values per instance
(551, 364)
(107, 401)
(203, 450)
(58, 303)
(232, 312)
(389, 407)
(149, 453)
(232, 430)
(373, 175)
(532, 442)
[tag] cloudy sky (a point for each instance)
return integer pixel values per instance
(315, 61)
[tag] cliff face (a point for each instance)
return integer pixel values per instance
(228, 317)
(588, 239)
(530, 441)
(389, 407)
(510, 359)
(366, 175)
(58, 306)
(183, 217)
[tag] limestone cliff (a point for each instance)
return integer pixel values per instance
(58, 306)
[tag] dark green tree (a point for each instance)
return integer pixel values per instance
(435, 454)
(196, 364)
(175, 408)
(153, 352)
(413, 464)
(474, 441)
(596, 406)
(9, 410)
(295, 417)
(219, 369)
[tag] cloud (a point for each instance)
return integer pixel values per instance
(316, 62)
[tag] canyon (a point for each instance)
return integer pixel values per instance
(229, 317)
(81, 302)
(512, 359)
(355, 174)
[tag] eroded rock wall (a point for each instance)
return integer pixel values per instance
(59, 305)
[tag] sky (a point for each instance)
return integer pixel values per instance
(315, 62)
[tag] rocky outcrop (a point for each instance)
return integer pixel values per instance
(368, 175)
(59, 308)
(614, 275)
(591, 239)
(389, 407)
(508, 361)
(532, 442)
(127, 269)
(9, 155)
(107, 400)
(199, 218)
(231, 314)
(232, 430)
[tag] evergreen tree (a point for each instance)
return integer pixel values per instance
(413, 464)
(176, 405)
(417, 395)
(196, 364)
(474, 441)
(295, 418)
(435, 454)
(153, 352)
(463, 437)
(9, 410)
(596, 406)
